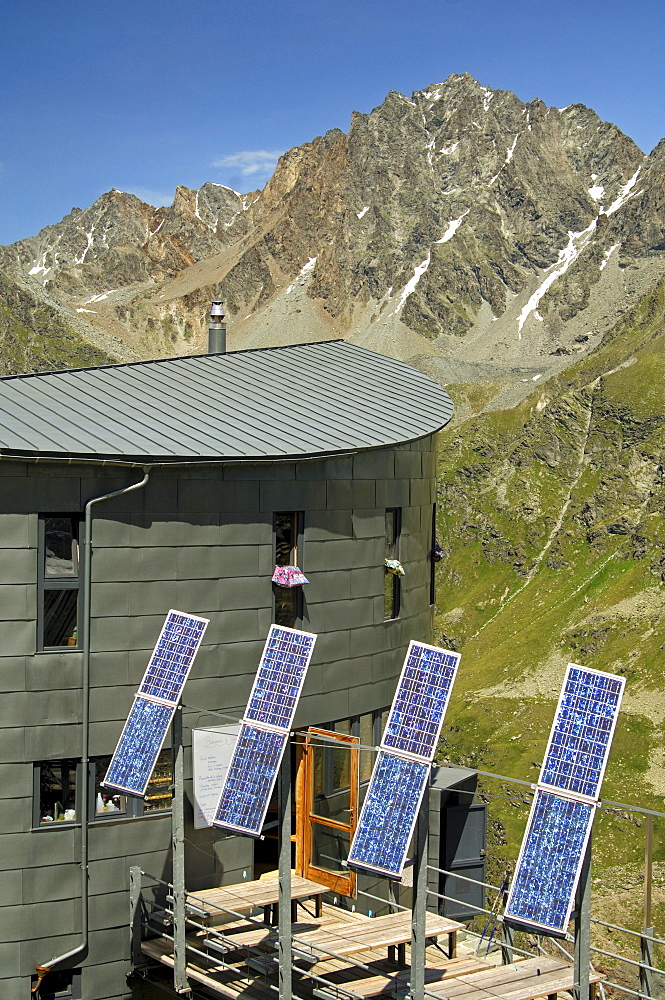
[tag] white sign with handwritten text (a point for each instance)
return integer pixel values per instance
(212, 750)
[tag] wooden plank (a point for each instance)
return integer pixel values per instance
(249, 895)
(258, 937)
(374, 986)
(162, 951)
(375, 932)
(523, 981)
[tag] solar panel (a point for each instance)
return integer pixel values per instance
(138, 747)
(389, 814)
(154, 704)
(280, 677)
(173, 656)
(550, 860)
(250, 779)
(582, 731)
(421, 700)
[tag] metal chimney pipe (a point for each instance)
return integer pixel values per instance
(217, 329)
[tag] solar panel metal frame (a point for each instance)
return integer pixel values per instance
(394, 873)
(563, 789)
(168, 622)
(269, 729)
(252, 831)
(525, 921)
(262, 670)
(138, 790)
(402, 682)
(167, 703)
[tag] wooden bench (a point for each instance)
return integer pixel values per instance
(534, 977)
(389, 984)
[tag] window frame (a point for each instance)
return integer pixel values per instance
(298, 521)
(432, 563)
(37, 823)
(135, 807)
(49, 583)
(71, 992)
(392, 552)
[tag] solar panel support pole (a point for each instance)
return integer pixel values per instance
(284, 905)
(646, 940)
(583, 928)
(180, 983)
(419, 904)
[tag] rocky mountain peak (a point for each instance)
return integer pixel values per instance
(456, 227)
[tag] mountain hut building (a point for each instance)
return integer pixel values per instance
(319, 455)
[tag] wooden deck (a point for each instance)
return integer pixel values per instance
(231, 970)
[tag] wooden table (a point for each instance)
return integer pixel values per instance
(261, 893)
(374, 932)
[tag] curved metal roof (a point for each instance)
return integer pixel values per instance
(283, 402)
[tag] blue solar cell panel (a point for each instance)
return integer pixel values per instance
(250, 779)
(138, 747)
(280, 677)
(389, 814)
(550, 860)
(582, 732)
(173, 656)
(421, 700)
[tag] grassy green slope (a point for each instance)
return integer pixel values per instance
(553, 518)
(34, 337)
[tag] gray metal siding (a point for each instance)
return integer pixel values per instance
(186, 541)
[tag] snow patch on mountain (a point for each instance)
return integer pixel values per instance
(453, 226)
(624, 193)
(570, 253)
(412, 283)
(304, 271)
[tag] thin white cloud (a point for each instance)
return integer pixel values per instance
(250, 162)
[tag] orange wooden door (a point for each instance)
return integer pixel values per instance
(327, 808)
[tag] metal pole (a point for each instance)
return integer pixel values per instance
(180, 983)
(285, 929)
(646, 940)
(507, 932)
(135, 915)
(419, 914)
(583, 929)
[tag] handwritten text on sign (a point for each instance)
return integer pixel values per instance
(212, 750)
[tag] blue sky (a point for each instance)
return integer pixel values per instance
(142, 95)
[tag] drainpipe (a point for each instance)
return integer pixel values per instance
(79, 953)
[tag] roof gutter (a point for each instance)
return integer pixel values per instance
(79, 953)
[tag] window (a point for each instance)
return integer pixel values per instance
(58, 581)
(287, 527)
(56, 791)
(432, 562)
(58, 784)
(106, 805)
(65, 984)
(391, 583)
(369, 729)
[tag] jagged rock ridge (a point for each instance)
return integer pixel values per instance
(461, 228)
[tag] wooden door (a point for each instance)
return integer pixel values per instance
(327, 808)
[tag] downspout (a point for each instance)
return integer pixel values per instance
(79, 953)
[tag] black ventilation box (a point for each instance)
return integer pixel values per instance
(457, 834)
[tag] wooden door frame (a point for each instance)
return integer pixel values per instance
(344, 885)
